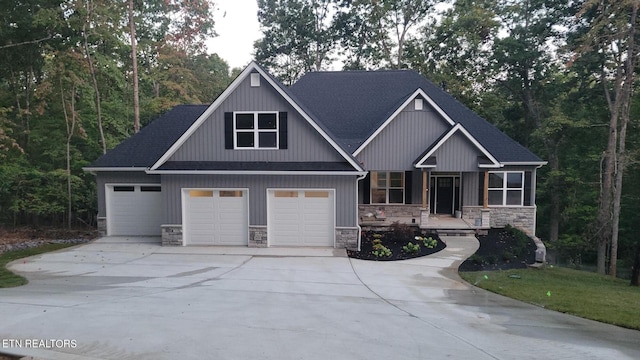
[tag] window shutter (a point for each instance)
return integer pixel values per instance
(527, 188)
(366, 189)
(408, 181)
(228, 130)
(283, 130)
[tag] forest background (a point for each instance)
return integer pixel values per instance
(79, 76)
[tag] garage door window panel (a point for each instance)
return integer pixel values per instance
(123, 189)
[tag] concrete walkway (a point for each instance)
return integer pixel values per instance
(118, 299)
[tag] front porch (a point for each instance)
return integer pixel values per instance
(376, 216)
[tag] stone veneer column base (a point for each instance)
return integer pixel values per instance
(171, 235)
(347, 238)
(102, 226)
(520, 217)
(258, 236)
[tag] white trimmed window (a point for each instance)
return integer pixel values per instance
(387, 187)
(255, 130)
(506, 188)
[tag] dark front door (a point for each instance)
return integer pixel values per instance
(444, 195)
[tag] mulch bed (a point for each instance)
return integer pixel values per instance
(501, 249)
(395, 244)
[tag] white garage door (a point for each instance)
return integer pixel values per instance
(215, 217)
(301, 218)
(134, 210)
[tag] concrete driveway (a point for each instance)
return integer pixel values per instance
(113, 299)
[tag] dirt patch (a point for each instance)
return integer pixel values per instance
(394, 244)
(502, 249)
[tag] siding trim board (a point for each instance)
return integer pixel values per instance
(419, 92)
(252, 68)
(252, 172)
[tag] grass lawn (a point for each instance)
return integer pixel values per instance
(580, 293)
(9, 279)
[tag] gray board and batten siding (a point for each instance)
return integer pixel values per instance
(119, 178)
(458, 153)
(407, 136)
(207, 143)
(345, 192)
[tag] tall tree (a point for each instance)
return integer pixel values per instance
(530, 67)
(610, 31)
(297, 36)
(377, 31)
(134, 68)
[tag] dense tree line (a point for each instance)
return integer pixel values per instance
(66, 92)
(557, 76)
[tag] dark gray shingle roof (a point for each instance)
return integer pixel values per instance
(349, 106)
(353, 104)
(152, 141)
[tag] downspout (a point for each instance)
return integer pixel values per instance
(361, 177)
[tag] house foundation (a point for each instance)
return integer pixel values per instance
(258, 236)
(520, 217)
(171, 235)
(347, 238)
(102, 226)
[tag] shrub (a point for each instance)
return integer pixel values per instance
(428, 242)
(380, 250)
(401, 231)
(411, 248)
(521, 239)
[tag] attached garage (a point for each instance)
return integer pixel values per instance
(134, 210)
(215, 217)
(301, 217)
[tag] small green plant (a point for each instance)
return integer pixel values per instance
(428, 242)
(380, 250)
(411, 248)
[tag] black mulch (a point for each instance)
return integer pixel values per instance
(501, 249)
(394, 244)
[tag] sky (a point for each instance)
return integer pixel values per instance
(236, 22)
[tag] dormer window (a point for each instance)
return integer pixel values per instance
(255, 130)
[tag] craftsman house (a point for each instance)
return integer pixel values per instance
(306, 165)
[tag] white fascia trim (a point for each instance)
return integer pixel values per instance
(254, 172)
(464, 131)
(398, 110)
(93, 169)
(490, 166)
(526, 163)
(426, 166)
(228, 91)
